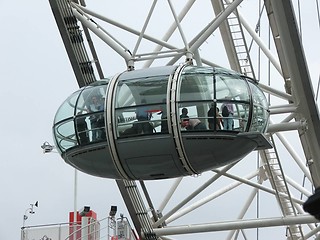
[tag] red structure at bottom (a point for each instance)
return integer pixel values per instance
(85, 226)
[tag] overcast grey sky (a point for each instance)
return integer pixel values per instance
(36, 77)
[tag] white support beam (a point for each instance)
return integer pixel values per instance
(258, 186)
(275, 92)
(172, 29)
(135, 50)
(288, 108)
(95, 29)
(219, 19)
(123, 27)
(281, 127)
(239, 224)
(169, 194)
(192, 195)
(251, 197)
(294, 155)
(281, 14)
(210, 197)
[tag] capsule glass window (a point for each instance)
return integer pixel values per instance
(139, 104)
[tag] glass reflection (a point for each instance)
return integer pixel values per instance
(67, 109)
(65, 135)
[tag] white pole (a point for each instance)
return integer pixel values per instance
(75, 203)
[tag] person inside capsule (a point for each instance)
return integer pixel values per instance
(193, 124)
(214, 118)
(184, 114)
(163, 113)
(143, 116)
(97, 119)
(227, 114)
(82, 128)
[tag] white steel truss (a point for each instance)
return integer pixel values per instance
(226, 203)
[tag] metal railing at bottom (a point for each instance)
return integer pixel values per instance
(89, 229)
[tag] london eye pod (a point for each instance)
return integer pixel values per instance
(161, 122)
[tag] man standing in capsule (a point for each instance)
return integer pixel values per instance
(184, 114)
(97, 119)
(227, 114)
(143, 116)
